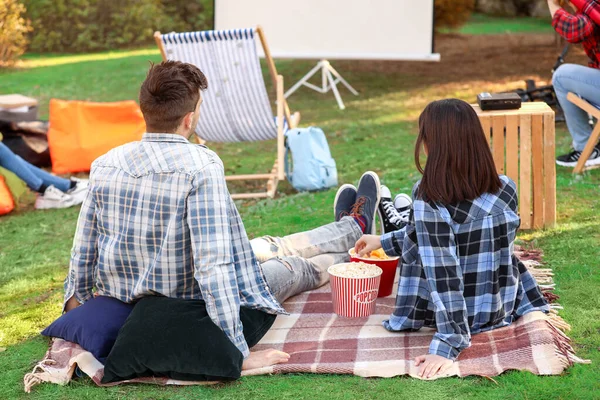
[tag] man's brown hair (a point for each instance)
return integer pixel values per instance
(170, 91)
(459, 163)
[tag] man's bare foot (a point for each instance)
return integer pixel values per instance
(265, 358)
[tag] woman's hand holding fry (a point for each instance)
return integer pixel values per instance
(366, 244)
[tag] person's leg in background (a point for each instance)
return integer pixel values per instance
(584, 82)
(64, 185)
(35, 178)
(55, 192)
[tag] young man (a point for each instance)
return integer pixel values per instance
(158, 220)
(583, 81)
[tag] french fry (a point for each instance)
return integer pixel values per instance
(378, 254)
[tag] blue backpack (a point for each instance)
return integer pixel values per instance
(313, 168)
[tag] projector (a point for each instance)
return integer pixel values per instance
(499, 101)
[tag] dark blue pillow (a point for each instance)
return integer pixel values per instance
(93, 325)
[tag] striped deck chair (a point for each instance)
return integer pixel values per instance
(236, 106)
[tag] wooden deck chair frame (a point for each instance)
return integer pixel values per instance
(283, 111)
(591, 143)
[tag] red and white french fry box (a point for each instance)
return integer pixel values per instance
(388, 265)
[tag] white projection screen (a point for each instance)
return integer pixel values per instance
(337, 29)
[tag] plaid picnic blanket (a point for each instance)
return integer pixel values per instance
(319, 341)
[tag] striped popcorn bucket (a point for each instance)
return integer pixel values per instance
(354, 297)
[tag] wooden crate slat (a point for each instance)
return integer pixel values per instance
(549, 171)
(537, 150)
(486, 124)
(512, 148)
(498, 124)
(525, 171)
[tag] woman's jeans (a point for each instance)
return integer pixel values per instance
(296, 263)
(584, 82)
(33, 176)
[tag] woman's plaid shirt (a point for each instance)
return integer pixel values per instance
(580, 28)
(158, 220)
(459, 273)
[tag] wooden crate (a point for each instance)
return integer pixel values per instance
(523, 147)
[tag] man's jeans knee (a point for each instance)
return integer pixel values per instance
(264, 248)
(288, 276)
(584, 82)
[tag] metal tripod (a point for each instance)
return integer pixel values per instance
(329, 80)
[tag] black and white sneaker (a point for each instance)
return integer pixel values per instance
(393, 217)
(53, 198)
(571, 159)
(594, 160)
(403, 204)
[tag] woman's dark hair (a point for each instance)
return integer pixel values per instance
(459, 163)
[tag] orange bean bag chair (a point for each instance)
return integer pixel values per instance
(81, 131)
(7, 204)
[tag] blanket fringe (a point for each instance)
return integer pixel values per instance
(33, 378)
(541, 272)
(541, 275)
(544, 277)
(557, 322)
(551, 297)
(564, 351)
(528, 253)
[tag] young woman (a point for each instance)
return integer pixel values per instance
(458, 273)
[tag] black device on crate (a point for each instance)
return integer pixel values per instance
(499, 101)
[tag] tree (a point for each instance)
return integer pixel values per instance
(452, 13)
(511, 8)
(13, 31)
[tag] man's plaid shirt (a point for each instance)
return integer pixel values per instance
(158, 220)
(459, 273)
(579, 28)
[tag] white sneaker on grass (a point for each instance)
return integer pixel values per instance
(79, 191)
(571, 159)
(54, 198)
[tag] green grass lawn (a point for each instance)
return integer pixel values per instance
(377, 132)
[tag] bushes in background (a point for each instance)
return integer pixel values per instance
(452, 13)
(511, 8)
(13, 31)
(65, 26)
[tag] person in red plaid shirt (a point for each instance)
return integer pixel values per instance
(581, 80)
